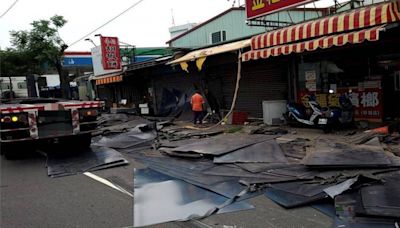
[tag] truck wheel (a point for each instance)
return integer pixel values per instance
(18, 150)
(84, 141)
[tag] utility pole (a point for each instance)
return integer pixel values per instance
(172, 16)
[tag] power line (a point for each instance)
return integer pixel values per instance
(9, 8)
(109, 21)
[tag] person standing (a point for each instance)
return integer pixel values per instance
(197, 102)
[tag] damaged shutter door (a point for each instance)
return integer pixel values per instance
(178, 84)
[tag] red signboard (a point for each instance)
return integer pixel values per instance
(110, 53)
(367, 102)
(257, 8)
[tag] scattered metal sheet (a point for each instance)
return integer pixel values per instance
(334, 154)
(170, 152)
(112, 119)
(184, 201)
(267, 151)
(383, 199)
(191, 172)
(226, 186)
(290, 200)
(223, 144)
(92, 159)
(373, 142)
(295, 149)
(265, 180)
(177, 143)
(118, 123)
(234, 171)
(364, 222)
(261, 167)
(326, 207)
(352, 183)
(348, 207)
(126, 140)
(303, 188)
(361, 137)
(267, 130)
(295, 170)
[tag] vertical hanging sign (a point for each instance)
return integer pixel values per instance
(110, 53)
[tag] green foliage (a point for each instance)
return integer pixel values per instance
(42, 44)
(15, 63)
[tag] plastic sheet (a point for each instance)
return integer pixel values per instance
(267, 151)
(184, 201)
(91, 159)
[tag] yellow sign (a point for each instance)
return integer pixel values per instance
(257, 4)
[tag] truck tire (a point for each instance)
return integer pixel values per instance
(17, 150)
(84, 140)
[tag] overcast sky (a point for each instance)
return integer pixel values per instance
(145, 25)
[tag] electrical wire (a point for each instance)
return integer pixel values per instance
(9, 8)
(109, 21)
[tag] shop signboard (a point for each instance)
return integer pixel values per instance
(98, 64)
(111, 58)
(367, 101)
(258, 8)
(311, 86)
(311, 80)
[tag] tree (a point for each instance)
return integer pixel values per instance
(15, 63)
(44, 47)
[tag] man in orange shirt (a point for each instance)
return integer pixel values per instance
(197, 102)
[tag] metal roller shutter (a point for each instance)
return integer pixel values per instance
(261, 80)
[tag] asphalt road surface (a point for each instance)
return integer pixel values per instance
(29, 198)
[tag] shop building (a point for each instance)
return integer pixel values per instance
(356, 51)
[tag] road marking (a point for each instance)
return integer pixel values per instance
(108, 183)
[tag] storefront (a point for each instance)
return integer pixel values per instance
(108, 88)
(354, 53)
(368, 73)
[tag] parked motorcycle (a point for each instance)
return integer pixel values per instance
(324, 118)
(343, 115)
(297, 113)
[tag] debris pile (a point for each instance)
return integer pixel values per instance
(355, 182)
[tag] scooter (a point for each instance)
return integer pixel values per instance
(296, 113)
(343, 115)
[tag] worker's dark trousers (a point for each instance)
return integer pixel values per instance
(197, 115)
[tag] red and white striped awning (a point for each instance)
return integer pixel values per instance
(352, 21)
(371, 34)
(109, 79)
